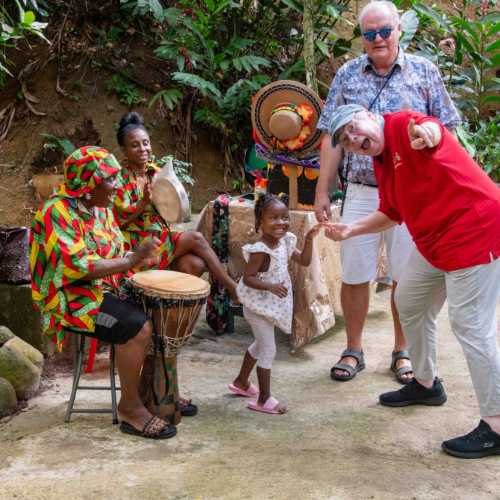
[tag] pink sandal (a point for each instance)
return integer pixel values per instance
(251, 392)
(270, 406)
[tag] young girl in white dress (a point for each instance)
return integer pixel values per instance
(265, 290)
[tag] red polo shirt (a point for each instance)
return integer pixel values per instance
(450, 205)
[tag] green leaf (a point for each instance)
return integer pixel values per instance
(409, 26)
(494, 29)
(495, 60)
(322, 46)
(332, 11)
(181, 63)
(493, 46)
(204, 86)
(29, 17)
(491, 99)
(60, 143)
(172, 15)
(297, 6)
(466, 140)
(492, 17)
(156, 8)
(431, 13)
(250, 63)
(469, 27)
(292, 71)
(171, 98)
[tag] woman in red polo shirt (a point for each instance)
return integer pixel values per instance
(452, 210)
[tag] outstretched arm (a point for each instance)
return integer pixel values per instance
(304, 258)
(425, 135)
(330, 159)
(373, 223)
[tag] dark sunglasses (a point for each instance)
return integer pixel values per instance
(384, 33)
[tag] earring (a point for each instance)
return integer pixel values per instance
(87, 196)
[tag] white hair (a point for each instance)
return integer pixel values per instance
(378, 5)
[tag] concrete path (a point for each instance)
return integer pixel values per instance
(337, 442)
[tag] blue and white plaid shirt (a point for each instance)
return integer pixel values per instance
(416, 84)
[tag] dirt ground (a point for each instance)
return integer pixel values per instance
(336, 442)
(64, 115)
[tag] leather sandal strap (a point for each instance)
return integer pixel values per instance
(404, 370)
(152, 426)
(357, 355)
(344, 366)
(404, 354)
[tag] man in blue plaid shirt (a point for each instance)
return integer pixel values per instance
(385, 79)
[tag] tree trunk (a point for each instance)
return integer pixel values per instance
(308, 28)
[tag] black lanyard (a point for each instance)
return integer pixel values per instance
(349, 155)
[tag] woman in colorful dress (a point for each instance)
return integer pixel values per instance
(186, 251)
(75, 243)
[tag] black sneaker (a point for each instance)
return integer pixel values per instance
(481, 442)
(414, 393)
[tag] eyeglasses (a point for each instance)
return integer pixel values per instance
(384, 33)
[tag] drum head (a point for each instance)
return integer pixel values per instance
(170, 284)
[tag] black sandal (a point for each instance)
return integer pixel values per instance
(351, 370)
(154, 428)
(402, 370)
(188, 409)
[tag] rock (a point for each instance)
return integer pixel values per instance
(34, 355)
(8, 400)
(19, 371)
(17, 314)
(5, 334)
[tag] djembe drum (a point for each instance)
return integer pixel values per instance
(174, 301)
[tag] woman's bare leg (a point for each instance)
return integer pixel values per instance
(193, 242)
(129, 360)
(189, 263)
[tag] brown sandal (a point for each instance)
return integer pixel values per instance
(154, 428)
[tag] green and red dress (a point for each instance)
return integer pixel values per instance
(149, 223)
(66, 241)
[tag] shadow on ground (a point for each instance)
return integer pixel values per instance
(336, 442)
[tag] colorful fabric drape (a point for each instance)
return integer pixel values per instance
(65, 242)
(218, 311)
(149, 222)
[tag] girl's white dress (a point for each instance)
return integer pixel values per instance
(275, 309)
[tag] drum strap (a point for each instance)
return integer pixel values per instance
(159, 346)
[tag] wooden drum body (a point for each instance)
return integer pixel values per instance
(173, 300)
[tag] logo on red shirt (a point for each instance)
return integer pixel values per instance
(396, 161)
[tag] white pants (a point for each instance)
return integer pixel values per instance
(263, 348)
(473, 294)
(359, 254)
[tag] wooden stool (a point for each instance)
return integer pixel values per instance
(77, 371)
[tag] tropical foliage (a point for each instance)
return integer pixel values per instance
(17, 21)
(217, 53)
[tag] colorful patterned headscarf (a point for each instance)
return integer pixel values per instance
(86, 168)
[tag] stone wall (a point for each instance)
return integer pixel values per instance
(17, 313)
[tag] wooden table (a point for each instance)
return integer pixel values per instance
(316, 288)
